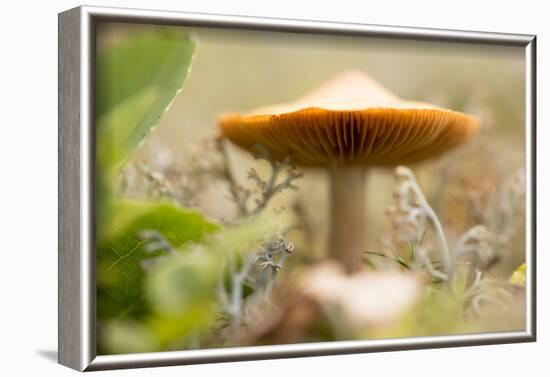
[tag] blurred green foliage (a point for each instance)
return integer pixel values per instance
(136, 81)
(128, 335)
(184, 286)
(180, 291)
(518, 277)
(439, 312)
(120, 252)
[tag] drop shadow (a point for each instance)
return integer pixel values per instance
(50, 355)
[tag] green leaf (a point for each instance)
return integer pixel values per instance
(518, 277)
(125, 336)
(121, 252)
(411, 252)
(183, 282)
(183, 294)
(399, 260)
(136, 80)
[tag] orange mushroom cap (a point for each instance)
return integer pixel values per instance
(351, 119)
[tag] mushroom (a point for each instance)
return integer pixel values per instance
(346, 125)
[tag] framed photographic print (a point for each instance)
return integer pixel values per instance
(235, 188)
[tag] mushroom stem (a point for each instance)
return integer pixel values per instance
(348, 215)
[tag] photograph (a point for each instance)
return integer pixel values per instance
(257, 187)
(267, 189)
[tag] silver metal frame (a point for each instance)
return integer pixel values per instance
(77, 321)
